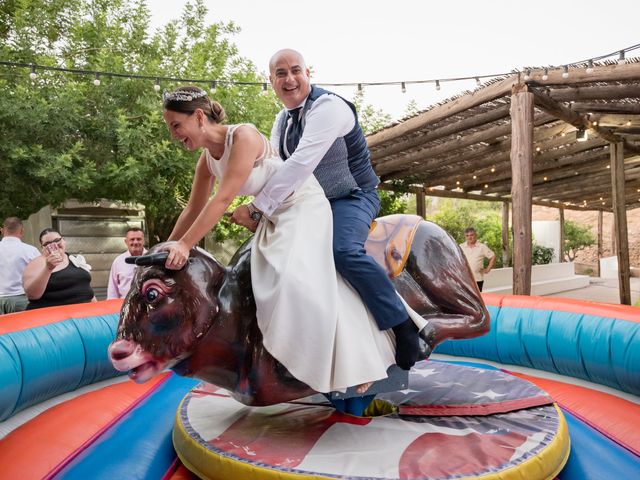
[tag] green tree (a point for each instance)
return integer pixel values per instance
(576, 237)
(65, 138)
(371, 120)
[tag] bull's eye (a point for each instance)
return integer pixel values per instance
(151, 295)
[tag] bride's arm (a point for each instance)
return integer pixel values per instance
(247, 147)
(203, 181)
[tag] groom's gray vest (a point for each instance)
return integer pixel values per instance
(346, 166)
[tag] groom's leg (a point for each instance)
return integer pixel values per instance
(352, 217)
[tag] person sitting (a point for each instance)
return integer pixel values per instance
(56, 278)
(121, 273)
(294, 281)
(14, 257)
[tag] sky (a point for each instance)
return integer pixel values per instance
(356, 41)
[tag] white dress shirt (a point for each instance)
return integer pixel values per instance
(14, 256)
(328, 119)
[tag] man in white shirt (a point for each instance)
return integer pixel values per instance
(121, 272)
(318, 133)
(14, 257)
(476, 252)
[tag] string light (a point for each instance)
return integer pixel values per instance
(477, 78)
(265, 89)
(403, 87)
(213, 88)
(96, 81)
(590, 67)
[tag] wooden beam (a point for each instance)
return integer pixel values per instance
(600, 230)
(485, 135)
(620, 221)
(549, 105)
(437, 133)
(597, 92)
(601, 73)
(561, 221)
(610, 108)
(505, 235)
(446, 110)
(541, 160)
(421, 208)
(522, 111)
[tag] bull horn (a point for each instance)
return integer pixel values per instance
(158, 259)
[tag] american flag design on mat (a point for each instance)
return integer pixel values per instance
(313, 439)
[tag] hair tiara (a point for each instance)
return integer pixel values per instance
(182, 96)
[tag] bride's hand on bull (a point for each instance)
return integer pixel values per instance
(242, 216)
(178, 255)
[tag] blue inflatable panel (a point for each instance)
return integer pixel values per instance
(594, 348)
(40, 363)
(139, 445)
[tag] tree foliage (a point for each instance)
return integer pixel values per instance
(65, 138)
(576, 237)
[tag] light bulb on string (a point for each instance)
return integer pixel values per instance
(527, 75)
(437, 84)
(156, 86)
(621, 57)
(546, 74)
(213, 88)
(359, 88)
(96, 81)
(565, 72)
(265, 89)
(403, 87)
(33, 75)
(590, 67)
(478, 82)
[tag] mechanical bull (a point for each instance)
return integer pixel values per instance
(200, 321)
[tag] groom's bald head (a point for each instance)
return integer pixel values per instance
(290, 77)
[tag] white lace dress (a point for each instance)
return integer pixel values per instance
(312, 321)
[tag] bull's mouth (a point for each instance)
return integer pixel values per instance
(146, 371)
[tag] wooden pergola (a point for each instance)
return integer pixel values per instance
(535, 137)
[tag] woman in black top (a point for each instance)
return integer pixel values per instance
(55, 278)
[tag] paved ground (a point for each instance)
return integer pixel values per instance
(602, 290)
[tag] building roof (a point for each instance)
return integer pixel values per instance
(462, 146)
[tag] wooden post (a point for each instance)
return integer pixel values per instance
(561, 253)
(521, 186)
(600, 235)
(505, 234)
(421, 208)
(620, 221)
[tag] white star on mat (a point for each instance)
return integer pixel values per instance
(425, 372)
(407, 391)
(489, 394)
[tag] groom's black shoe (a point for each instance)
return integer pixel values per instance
(407, 344)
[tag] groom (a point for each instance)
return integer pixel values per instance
(318, 133)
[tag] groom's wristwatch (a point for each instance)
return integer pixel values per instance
(254, 213)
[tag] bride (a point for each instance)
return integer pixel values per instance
(312, 321)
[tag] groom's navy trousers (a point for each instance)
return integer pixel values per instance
(352, 218)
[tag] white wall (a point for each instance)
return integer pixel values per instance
(547, 234)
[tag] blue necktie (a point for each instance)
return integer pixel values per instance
(294, 132)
